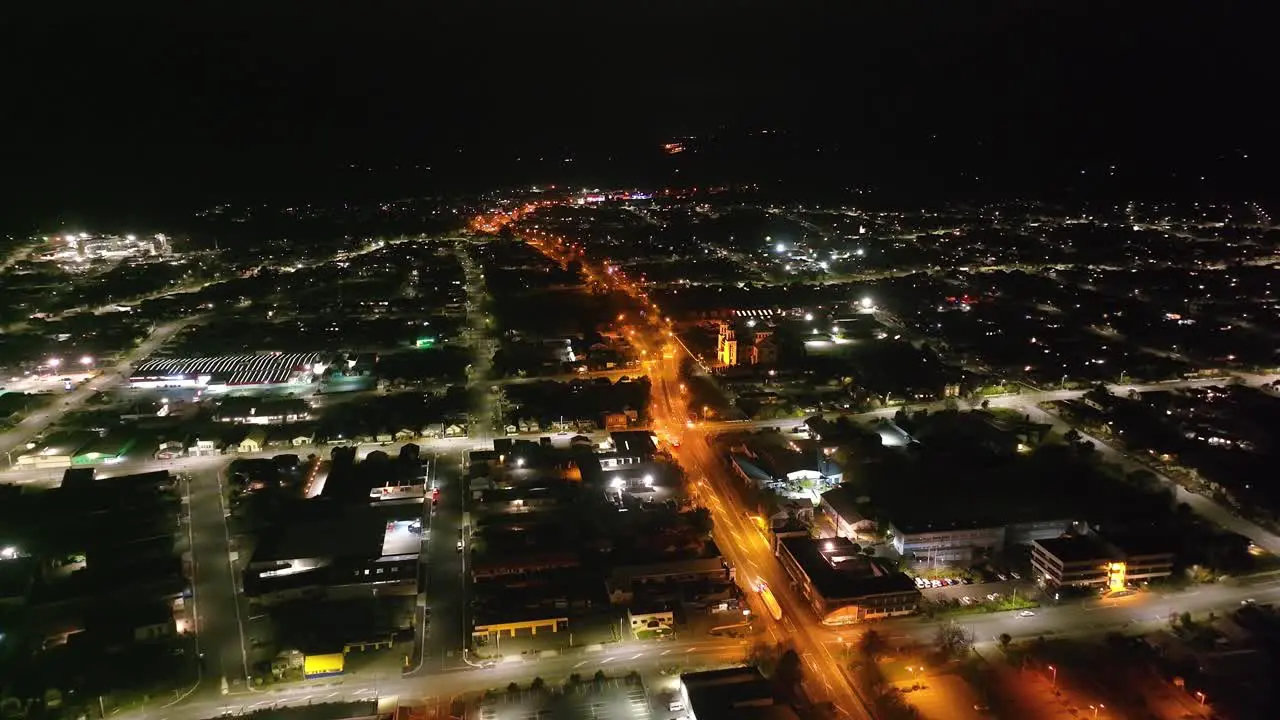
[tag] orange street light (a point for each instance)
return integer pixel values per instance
(1096, 708)
(1055, 675)
(1201, 696)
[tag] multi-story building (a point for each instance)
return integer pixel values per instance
(934, 543)
(841, 584)
(1089, 561)
(957, 544)
(727, 346)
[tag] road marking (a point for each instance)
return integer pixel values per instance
(633, 657)
(584, 662)
(691, 649)
(664, 652)
(608, 660)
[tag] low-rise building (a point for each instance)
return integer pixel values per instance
(170, 449)
(841, 584)
(740, 693)
(55, 453)
(959, 542)
(956, 544)
(104, 451)
(203, 446)
(253, 442)
(260, 411)
(628, 580)
(1089, 561)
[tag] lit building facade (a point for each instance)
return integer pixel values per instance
(1088, 561)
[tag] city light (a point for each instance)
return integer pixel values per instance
(780, 248)
(86, 360)
(868, 303)
(54, 362)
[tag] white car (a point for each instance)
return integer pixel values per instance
(1026, 613)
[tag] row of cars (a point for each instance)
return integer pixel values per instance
(923, 583)
(987, 576)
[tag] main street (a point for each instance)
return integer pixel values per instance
(738, 538)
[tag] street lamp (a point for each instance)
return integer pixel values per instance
(86, 360)
(1055, 675)
(1201, 696)
(55, 362)
(1096, 708)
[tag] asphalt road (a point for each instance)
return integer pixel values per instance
(220, 612)
(445, 594)
(35, 423)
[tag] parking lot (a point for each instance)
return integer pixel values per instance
(979, 592)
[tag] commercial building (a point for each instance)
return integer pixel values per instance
(56, 452)
(325, 548)
(958, 542)
(841, 584)
(740, 693)
(260, 411)
(104, 451)
(1089, 561)
(626, 581)
(219, 374)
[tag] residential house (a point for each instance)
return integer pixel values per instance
(255, 441)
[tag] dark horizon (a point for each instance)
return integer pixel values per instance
(113, 114)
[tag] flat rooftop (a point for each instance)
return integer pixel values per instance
(727, 693)
(335, 531)
(838, 572)
(1081, 548)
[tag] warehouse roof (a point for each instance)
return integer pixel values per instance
(233, 369)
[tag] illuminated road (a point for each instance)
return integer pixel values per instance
(742, 542)
(647, 658)
(35, 423)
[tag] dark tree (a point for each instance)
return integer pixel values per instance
(872, 645)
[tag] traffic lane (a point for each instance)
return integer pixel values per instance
(797, 624)
(445, 637)
(1091, 616)
(649, 659)
(216, 585)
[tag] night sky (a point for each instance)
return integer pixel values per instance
(108, 111)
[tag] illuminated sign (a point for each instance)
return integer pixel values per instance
(1116, 572)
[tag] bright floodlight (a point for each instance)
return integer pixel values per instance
(86, 360)
(751, 323)
(808, 317)
(131, 238)
(867, 303)
(830, 546)
(859, 252)
(648, 480)
(8, 553)
(519, 462)
(780, 248)
(54, 362)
